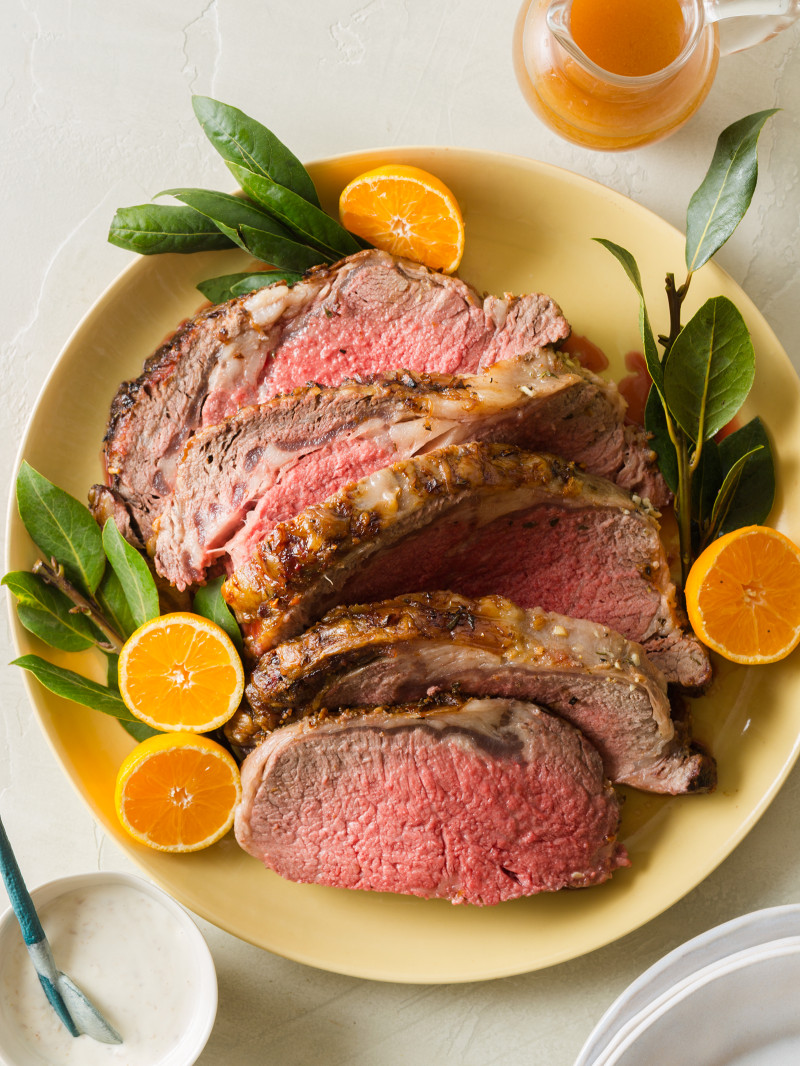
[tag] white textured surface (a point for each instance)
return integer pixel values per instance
(95, 113)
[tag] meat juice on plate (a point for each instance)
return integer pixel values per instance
(127, 952)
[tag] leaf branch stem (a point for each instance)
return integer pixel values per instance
(53, 574)
(683, 506)
(686, 464)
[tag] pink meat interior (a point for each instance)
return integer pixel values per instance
(573, 562)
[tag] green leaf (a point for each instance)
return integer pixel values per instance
(631, 268)
(288, 255)
(113, 604)
(309, 223)
(154, 228)
(710, 369)
(133, 573)
(61, 527)
(706, 482)
(724, 195)
(241, 140)
(47, 613)
(139, 730)
(226, 287)
(752, 501)
(75, 687)
(707, 479)
(228, 212)
(209, 603)
(655, 423)
(726, 494)
(112, 671)
(259, 279)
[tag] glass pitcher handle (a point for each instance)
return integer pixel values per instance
(753, 21)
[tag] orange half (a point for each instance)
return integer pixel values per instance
(177, 792)
(743, 595)
(181, 672)
(406, 211)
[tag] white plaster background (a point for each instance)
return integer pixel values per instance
(95, 113)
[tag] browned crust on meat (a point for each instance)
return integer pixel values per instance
(267, 592)
(292, 680)
(441, 646)
(228, 318)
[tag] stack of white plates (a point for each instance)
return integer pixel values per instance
(730, 996)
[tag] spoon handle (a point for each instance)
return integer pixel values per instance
(32, 931)
(19, 895)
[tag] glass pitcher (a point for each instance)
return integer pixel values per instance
(618, 84)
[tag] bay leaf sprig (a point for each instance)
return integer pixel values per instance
(707, 366)
(107, 593)
(277, 219)
(89, 589)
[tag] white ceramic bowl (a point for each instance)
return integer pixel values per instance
(713, 946)
(140, 958)
(740, 1011)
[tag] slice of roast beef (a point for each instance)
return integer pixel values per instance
(475, 519)
(480, 803)
(238, 479)
(419, 646)
(368, 315)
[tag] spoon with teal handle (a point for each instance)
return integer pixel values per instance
(74, 1009)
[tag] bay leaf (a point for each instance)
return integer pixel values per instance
(228, 286)
(151, 229)
(134, 574)
(710, 369)
(138, 730)
(47, 613)
(290, 255)
(253, 282)
(209, 603)
(631, 268)
(655, 423)
(752, 501)
(75, 687)
(311, 224)
(706, 482)
(242, 140)
(723, 197)
(726, 494)
(111, 600)
(229, 212)
(112, 671)
(61, 527)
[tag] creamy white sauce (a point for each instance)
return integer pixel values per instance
(129, 956)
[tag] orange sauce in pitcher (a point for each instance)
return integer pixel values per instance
(633, 40)
(630, 37)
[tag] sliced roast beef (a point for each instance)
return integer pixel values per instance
(421, 645)
(475, 519)
(265, 464)
(480, 803)
(370, 314)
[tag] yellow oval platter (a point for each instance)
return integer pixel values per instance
(528, 227)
